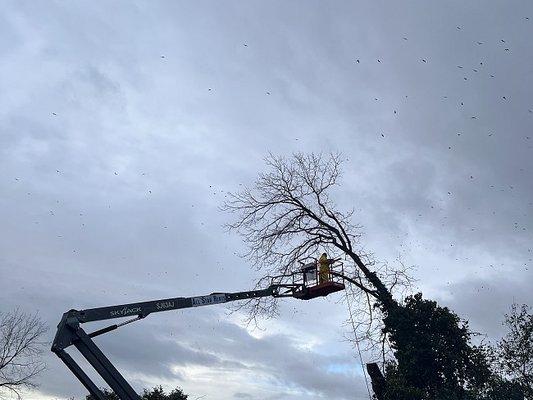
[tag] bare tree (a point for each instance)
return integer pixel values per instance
(21, 347)
(289, 215)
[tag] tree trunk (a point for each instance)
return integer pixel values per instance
(378, 380)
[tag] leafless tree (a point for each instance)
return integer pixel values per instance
(289, 215)
(21, 347)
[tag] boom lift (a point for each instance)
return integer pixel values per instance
(304, 284)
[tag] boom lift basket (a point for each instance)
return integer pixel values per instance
(312, 283)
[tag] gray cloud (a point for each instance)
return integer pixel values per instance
(123, 125)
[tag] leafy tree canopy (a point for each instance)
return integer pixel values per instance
(434, 358)
(156, 393)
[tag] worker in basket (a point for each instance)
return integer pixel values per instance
(324, 268)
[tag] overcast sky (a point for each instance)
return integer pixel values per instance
(123, 125)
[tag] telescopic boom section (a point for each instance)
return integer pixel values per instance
(69, 332)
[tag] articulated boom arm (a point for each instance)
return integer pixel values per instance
(69, 332)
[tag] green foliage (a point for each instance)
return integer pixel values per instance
(436, 360)
(515, 350)
(502, 389)
(108, 394)
(156, 393)
(434, 357)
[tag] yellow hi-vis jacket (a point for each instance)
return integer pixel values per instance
(323, 272)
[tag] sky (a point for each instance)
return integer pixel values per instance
(123, 125)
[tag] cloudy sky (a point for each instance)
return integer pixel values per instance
(123, 125)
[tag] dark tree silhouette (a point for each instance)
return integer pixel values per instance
(156, 393)
(21, 347)
(515, 350)
(434, 356)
